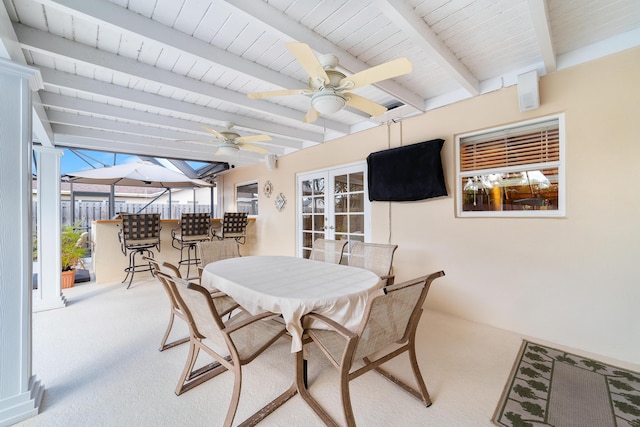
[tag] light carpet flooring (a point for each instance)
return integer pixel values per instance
(99, 361)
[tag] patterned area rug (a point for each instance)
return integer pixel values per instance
(549, 387)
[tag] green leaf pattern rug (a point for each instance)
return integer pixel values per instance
(550, 387)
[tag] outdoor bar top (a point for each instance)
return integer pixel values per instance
(109, 262)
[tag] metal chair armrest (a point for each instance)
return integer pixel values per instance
(344, 332)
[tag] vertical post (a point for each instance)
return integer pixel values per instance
(20, 391)
(48, 295)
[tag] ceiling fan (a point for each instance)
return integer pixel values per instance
(231, 142)
(328, 87)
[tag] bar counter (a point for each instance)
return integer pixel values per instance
(109, 262)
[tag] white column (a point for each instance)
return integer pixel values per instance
(20, 392)
(48, 295)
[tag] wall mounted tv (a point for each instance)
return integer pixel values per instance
(409, 173)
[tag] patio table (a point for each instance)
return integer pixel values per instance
(293, 287)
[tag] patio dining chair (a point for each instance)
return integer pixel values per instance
(388, 329)
(192, 228)
(376, 257)
(327, 250)
(244, 337)
(224, 305)
(138, 235)
(216, 250)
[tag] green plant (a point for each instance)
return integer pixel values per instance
(69, 250)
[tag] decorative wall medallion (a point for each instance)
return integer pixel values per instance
(268, 188)
(280, 201)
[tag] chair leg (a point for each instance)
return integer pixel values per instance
(163, 343)
(346, 397)
(191, 378)
(304, 393)
(422, 394)
(426, 399)
(188, 366)
(235, 395)
(133, 267)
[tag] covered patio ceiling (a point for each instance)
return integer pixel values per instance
(143, 76)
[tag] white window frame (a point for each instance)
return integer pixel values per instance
(241, 184)
(560, 164)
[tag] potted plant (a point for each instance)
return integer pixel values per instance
(70, 252)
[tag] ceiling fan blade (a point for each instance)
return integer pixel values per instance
(253, 148)
(388, 70)
(253, 138)
(214, 132)
(311, 116)
(271, 94)
(308, 60)
(364, 104)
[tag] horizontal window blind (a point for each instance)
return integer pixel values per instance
(514, 147)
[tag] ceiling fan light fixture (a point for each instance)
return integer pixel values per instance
(228, 149)
(328, 102)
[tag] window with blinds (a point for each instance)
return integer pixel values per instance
(512, 171)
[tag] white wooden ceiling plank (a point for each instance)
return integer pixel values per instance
(35, 39)
(447, 9)
(347, 12)
(142, 7)
(212, 23)
(129, 47)
(149, 53)
(59, 23)
(392, 41)
(425, 7)
(166, 11)
(134, 129)
(314, 16)
(280, 22)
(183, 65)
(296, 9)
(108, 39)
(260, 46)
(212, 75)
(228, 33)
(38, 58)
(249, 35)
(421, 34)
(69, 136)
(167, 59)
(190, 15)
(59, 79)
(121, 79)
(85, 32)
(364, 16)
(238, 82)
(199, 70)
(352, 43)
(116, 17)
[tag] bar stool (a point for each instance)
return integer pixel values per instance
(138, 234)
(193, 228)
(234, 226)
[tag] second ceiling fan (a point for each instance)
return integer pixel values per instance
(329, 87)
(230, 142)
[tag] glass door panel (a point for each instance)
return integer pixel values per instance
(333, 206)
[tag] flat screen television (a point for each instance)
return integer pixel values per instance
(409, 173)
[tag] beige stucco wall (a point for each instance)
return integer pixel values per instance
(573, 281)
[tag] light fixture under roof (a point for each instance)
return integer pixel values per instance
(228, 149)
(328, 101)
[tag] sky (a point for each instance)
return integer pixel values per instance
(80, 160)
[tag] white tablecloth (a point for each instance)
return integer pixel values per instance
(294, 287)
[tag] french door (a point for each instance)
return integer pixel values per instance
(332, 204)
